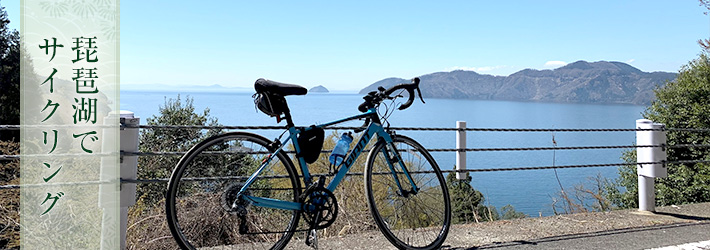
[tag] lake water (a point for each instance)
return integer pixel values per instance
(530, 191)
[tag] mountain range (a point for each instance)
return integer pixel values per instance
(187, 88)
(578, 82)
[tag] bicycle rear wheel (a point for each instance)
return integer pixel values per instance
(409, 221)
(204, 185)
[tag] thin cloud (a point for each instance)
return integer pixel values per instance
(554, 64)
(630, 61)
(476, 69)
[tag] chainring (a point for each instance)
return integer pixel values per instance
(320, 205)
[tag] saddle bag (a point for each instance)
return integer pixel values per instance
(311, 143)
(271, 104)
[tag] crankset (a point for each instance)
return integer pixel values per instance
(320, 208)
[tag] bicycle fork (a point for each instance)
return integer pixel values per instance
(392, 161)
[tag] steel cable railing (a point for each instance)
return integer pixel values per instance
(424, 128)
(131, 153)
(17, 127)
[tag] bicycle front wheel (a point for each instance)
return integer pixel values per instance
(418, 220)
(202, 207)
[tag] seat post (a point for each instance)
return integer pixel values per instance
(287, 116)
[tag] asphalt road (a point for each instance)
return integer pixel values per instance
(632, 238)
(620, 229)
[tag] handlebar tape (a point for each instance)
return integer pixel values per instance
(410, 87)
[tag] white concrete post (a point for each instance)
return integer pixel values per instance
(460, 147)
(647, 172)
(109, 188)
(129, 168)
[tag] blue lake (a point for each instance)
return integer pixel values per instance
(530, 191)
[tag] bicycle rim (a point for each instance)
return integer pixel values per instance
(203, 188)
(419, 221)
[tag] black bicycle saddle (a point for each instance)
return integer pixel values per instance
(263, 85)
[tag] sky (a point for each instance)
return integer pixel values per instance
(348, 45)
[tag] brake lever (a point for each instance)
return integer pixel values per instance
(411, 89)
(409, 101)
(420, 94)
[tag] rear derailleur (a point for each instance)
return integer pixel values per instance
(235, 205)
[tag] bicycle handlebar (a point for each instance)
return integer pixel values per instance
(410, 87)
(374, 98)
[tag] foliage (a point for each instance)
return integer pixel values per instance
(11, 57)
(173, 112)
(623, 191)
(147, 224)
(9, 114)
(683, 103)
(467, 204)
(9, 77)
(508, 213)
(591, 195)
(465, 201)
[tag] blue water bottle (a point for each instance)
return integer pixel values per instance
(341, 149)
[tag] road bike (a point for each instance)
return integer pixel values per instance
(241, 190)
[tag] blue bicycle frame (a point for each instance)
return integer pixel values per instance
(374, 128)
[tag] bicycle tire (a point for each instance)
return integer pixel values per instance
(419, 221)
(203, 186)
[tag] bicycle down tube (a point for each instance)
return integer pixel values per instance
(374, 128)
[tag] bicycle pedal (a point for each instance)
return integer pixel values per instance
(312, 238)
(243, 229)
(321, 181)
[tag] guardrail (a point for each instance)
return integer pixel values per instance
(651, 157)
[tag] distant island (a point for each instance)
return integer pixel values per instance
(318, 89)
(578, 82)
